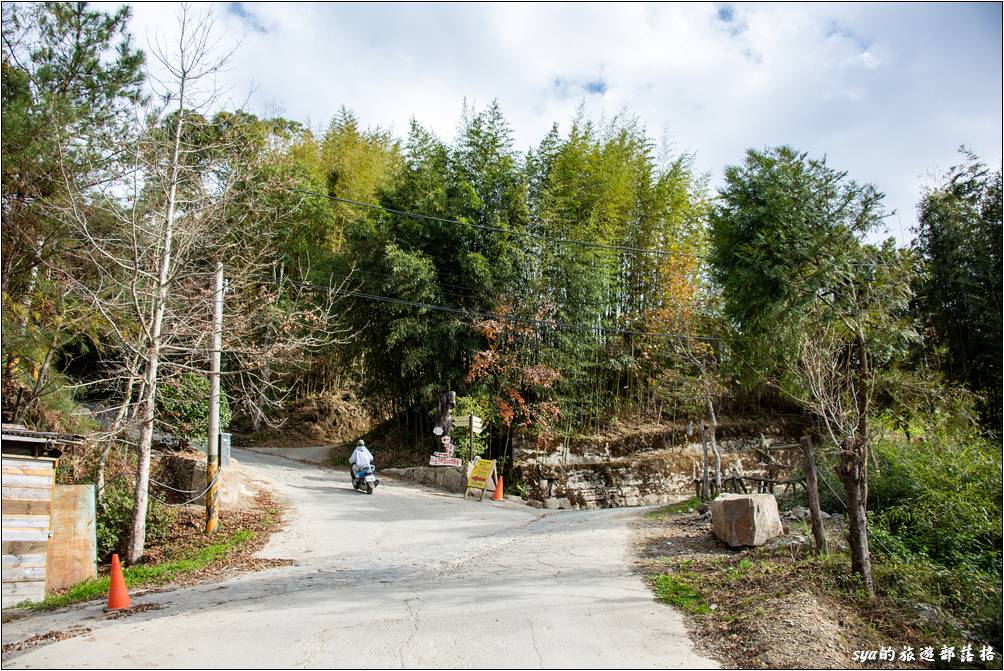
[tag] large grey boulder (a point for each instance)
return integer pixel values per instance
(745, 519)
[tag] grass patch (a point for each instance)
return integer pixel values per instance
(145, 575)
(678, 591)
(674, 509)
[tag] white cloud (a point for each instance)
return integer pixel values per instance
(867, 59)
(888, 92)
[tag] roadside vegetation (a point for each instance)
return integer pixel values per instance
(678, 590)
(184, 555)
(935, 523)
(759, 607)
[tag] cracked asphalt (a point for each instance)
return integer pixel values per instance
(408, 577)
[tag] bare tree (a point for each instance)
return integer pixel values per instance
(839, 386)
(146, 246)
(700, 354)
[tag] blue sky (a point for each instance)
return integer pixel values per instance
(887, 91)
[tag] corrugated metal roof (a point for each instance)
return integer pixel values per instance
(18, 440)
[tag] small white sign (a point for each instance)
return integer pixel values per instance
(436, 460)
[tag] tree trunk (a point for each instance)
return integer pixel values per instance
(852, 475)
(258, 410)
(714, 445)
(861, 390)
(714, 423)
(812, 487)
(705, 485)
(137, 536)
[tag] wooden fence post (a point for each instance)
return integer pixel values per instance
(812, 488)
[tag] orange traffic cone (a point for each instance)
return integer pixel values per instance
(118, 597)
(497, 496)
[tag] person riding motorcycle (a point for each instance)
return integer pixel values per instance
(360, 461)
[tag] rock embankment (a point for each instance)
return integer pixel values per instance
(452, 479)
(650, 464)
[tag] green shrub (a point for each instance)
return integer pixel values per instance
(183, 407)
(941, 498)
(114, 519)
(970, 596)
(938, 497)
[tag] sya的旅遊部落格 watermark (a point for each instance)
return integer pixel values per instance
(929, 654)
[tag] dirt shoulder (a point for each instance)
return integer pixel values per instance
(245, 531)
(779, 606)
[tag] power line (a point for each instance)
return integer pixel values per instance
(486, 227)
(455, 291)
(526, 234)
(489, 315)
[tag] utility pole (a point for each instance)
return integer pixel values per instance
(213, 443)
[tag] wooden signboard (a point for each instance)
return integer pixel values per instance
(482, 472)
(472, 422)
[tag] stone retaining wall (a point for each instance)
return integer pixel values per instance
(450, 478)
(648, 467)
(187, 471)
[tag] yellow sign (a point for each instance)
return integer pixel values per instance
(481, 472)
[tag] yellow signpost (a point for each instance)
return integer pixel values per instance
(481, 474)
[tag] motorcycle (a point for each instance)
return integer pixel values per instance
(365, 480)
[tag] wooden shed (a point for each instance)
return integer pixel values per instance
(29, 474)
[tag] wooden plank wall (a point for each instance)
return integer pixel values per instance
(72, 550)
(27, 486)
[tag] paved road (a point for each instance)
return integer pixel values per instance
(315, 455)
(408, 577)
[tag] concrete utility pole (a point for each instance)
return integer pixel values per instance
(213, 444)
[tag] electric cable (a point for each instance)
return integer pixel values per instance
(486, 227)
(489, 315)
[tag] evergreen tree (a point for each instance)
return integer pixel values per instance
(818, 311)
(959, 238)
